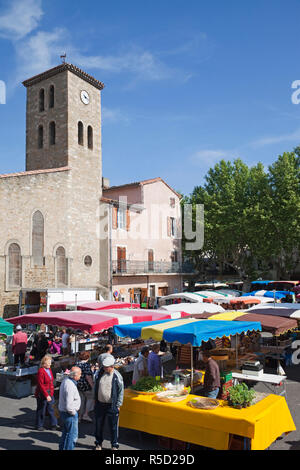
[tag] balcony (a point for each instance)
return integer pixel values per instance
(149, 267)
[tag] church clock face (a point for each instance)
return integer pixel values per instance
(85, 97)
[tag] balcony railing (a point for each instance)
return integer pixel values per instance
(149, 267)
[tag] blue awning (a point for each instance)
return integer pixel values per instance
(187, 330)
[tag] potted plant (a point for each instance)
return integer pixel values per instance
(240, 396)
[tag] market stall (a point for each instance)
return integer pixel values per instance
(281, 310)
(258, 425)
(193, 308)
(191, 331)
(211, 428)
(180, 297)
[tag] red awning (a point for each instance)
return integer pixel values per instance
(77, 320)
(245, 300)
(105, 305)
(90, 305)
(94, 321)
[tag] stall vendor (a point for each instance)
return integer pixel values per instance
(154, 362)
(212, 380)
(19, 345)
(141, 365)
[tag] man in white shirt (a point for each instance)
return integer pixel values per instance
(69, 405)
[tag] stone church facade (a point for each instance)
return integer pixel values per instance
(49, 213)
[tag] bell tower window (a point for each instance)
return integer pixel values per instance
(40, 137)
(80, 133)
(42, 100)
(52, 133)
(90, 137)
(51, 96)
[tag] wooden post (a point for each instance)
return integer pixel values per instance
(192, 368)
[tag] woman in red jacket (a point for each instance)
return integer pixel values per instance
(44, 394)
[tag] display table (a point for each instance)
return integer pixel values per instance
(261, 423)
(271, 381)
(17, 384)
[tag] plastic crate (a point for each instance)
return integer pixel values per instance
(226, 376)
(18, 388)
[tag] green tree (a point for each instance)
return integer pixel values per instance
(284, 181)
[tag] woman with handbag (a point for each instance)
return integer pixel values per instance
(85, 387)
(44, 395)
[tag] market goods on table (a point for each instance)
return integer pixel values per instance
(203, 403)
(172, 396)
(147, 385)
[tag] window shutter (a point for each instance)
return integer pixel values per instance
(15, 265)
(62, 267)
(169, 226)
(127, 220)
(114, 217)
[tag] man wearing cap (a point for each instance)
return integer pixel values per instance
(109, 392)
(140, 366)
(108, 352)
(19, 345)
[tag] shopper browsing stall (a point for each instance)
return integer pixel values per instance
(44, 395)
(141, 365)
(85, 386)
(108, 350)
(65, 341)
(69, 405)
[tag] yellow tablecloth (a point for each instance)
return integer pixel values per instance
(263, 422)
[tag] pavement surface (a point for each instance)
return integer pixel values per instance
(17, 425)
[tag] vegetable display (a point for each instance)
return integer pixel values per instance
(147, 384)
(240, 396)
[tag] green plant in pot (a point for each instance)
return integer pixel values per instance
(240, 396)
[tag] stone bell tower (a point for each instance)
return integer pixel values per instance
(63, 120)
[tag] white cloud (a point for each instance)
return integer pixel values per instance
(211, 157)
(143, 64)
(39, 52)
(277, 139)
(20, 19)
(113, 115)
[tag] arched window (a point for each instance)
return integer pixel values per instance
(14, 265)
(90, 137)
(38, 239)
(61, 267)
(51, 96)
(42, 100)
(88, 261)
(52, 133)
(80, 133)
(40, 137)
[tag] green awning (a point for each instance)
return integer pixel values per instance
(6, 328)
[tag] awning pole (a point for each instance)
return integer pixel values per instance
(236, 351)
(192, 368)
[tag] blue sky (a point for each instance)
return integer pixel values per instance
(186, 83)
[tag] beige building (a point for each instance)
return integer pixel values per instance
(145, 240)
(51, 215)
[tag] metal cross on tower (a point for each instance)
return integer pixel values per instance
(63, 57)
